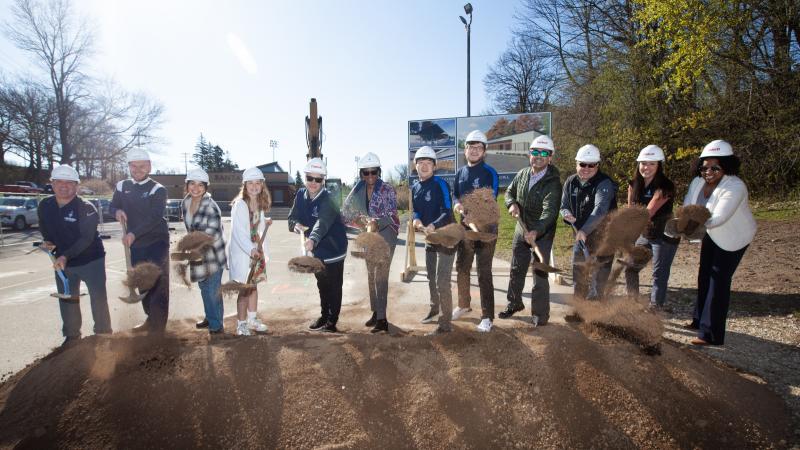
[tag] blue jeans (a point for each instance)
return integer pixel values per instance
(212, 300)
(663, 254)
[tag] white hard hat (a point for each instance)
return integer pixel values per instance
(651, 153)
(543, 142)
(588, 154)
(252, 174)
(315, 165)
(138, 154)
(716, 149)
(425, 152)
(65, 172)
(369, 161)
(476, 136)
(197, 175)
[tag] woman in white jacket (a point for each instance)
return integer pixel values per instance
(729, 231)
(247, 224)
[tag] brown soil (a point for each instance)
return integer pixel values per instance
(480, 208)
(696, 214)
(143, 276)
(622, 229)
(306, 264)
(196, 240)
(182, 270)
(555, 388)
(374, 248)
(447, 236)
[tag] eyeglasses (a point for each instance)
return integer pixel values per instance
(714, 169)
(366, 173)
(542, 153)
(314, 179)
(475, 146)
(589, 165)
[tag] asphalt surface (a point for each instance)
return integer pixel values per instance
(32, 323)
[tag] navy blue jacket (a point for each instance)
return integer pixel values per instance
(432, 202)
(72, 228)
(469, 178)
(324, 223)
(144, 204)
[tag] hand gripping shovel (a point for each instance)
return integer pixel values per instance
(588, 259)
(67, 295)
(540, 264)
(234, 286)
(132, 296)
(473, 234)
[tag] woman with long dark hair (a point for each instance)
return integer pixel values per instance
(651, 188)
(729, 232)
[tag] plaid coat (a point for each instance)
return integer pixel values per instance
(207, 219)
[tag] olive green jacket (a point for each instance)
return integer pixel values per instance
(539, 204)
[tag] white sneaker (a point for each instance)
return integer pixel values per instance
(242, 329)
(256, 325)
(485, 326)
(459, 312)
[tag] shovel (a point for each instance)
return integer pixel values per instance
(588, 259)
(473, 234)
(540, 264)
(132, 296)
(361, 252)
(305, 263)
(64, 281)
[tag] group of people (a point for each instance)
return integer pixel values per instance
(536, 198)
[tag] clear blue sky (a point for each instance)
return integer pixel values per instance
(372, 65)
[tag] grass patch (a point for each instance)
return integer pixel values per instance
(777, 214)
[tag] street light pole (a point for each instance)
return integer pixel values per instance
(274, 144)
(468, 27)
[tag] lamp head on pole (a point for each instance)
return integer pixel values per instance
(468, 8)
(463, 20)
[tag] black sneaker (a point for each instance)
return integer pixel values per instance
(693, 325)
(381, 325)
(202, 324)
(372, 320)
(510, 310)
(317, 324)
(219, 330)
(329, 327)
(432, 316)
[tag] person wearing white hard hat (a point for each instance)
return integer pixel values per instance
(588, 196)
(139, 204)
(201, 213)
(475, 174)
(651, 188)
(729, 231)
(315, 214)
(533, 198)
(69, 229)
(432, 202)
(373, 202)
(248, 223)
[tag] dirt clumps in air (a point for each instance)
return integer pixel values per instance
(143, 276)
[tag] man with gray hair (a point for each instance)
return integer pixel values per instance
(138, 204)
(69, 228)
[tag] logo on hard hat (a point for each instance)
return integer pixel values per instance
(714, 149)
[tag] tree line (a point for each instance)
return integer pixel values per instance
(622, 74)
(59, 113)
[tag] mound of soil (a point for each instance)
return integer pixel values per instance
(557, 386)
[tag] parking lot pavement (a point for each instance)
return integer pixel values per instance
(32, 324)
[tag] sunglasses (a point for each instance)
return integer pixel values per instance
(589, 165)
(705, 169)
(366, 173)
(542, 153)
(314, 179)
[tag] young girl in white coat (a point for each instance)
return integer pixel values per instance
(248, 222)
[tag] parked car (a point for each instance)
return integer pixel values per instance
(19, 189)
(103, 206)
(19, 212)
(30, 185)
(173, 211)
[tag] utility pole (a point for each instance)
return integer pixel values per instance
(274, 144)
(185, 162)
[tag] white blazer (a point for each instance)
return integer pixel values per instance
(731, 225)
(240, 244)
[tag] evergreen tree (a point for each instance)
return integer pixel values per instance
(298, 180)
(212, 158)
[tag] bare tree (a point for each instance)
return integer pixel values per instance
(60, 43)
(30, 115)
(523, 79)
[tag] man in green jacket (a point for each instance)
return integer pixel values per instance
(533, 197)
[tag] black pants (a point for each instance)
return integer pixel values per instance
(329, 283)
(714, 289)
(156, 300)
(520, 264)
(483, 253)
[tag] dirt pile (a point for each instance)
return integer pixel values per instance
(623, 317)
(509, 388)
